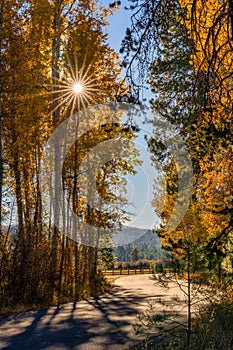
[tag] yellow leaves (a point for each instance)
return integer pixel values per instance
(215, 191)
(191, 228)
(209, 25)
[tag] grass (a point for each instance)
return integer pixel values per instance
(212, 329)
(18, 309)
(100, 285)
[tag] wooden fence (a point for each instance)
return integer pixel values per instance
(140, 271)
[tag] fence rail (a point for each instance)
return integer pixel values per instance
(139, 271)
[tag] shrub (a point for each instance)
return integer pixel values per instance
(146, 264)
(211, 330)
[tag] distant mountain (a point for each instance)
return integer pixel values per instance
(149, 237)
(145, 241)
(128, 235)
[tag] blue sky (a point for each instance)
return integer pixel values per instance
(118, 24)
(140, 186)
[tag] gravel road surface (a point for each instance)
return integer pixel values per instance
(101, 323)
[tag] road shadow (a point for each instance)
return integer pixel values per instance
(98, 323)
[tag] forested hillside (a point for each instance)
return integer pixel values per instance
(146, 247)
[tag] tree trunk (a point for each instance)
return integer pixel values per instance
(189, 299)
(1, 100)
(56, 43)
(60, 282)
(76, 271)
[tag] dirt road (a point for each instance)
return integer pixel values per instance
(101, 323)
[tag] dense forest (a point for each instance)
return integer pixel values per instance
(183, 49)
(146, 247)
(190, 74)
(55, 63)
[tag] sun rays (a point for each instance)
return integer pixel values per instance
(75, 88)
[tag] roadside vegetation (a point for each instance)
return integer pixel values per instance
(186, 50)
(211, 330)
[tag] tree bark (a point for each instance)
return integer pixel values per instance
(56, 47)
(2, 8)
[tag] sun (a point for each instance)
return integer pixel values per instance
(76, 88)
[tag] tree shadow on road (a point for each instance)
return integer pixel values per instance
(98, 323)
